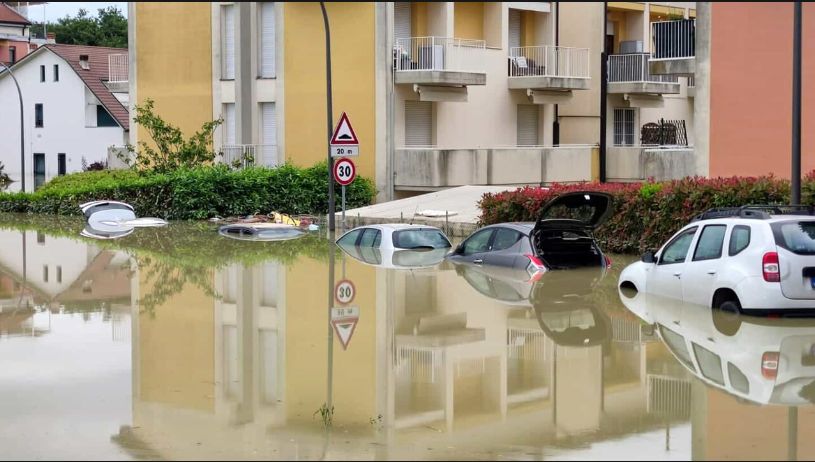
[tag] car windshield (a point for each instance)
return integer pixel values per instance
(420, 239)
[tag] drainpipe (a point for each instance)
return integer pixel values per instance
(556, 126)
(603, 95)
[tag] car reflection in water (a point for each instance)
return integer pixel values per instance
(761, 360)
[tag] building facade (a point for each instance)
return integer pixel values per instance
(440, 94)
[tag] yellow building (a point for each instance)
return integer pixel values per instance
(440, 94)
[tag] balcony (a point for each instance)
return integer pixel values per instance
(118, 73)
(674, 48)
(439, 62)
(433, 168)
(630, 74)
(549, 68)
(249, 155)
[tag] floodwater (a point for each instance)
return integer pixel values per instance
(176, 343)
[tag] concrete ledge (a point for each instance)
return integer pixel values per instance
(641, 88)
(682, 67)
(630, 164)
(118, 87)
(548, 83)
(441, 78)
(691, 92)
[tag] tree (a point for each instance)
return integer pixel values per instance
(4, 178)
(107, 29)
(173, 151)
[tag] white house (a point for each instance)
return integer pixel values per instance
(75, 107)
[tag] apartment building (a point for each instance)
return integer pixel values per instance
(440, 94)
(15, 30)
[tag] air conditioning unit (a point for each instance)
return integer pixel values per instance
(631, 46)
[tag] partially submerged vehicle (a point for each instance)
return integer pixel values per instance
(396, 246)
(268, 232)
(116, 214)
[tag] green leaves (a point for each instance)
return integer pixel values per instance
(107, 29)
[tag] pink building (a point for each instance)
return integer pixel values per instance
(14, 32)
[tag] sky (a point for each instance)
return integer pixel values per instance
(57, 10)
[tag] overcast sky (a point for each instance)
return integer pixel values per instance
(57, 10)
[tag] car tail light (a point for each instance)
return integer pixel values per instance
(608, 262)
(534, 261)
(769, 364)
(770, 267)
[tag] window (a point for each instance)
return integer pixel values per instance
(12, 54)
(267, 40)
(528, 123)
(677, 345)
(418, 123)
(478, 243)
(505, 238)
(38, 116)
(229, 42)
(402, 20)
(44, 273)
(40, 238)
(739, 240)
(39, 170)
(103, 117)
(62, 168)
(42, 73)
(59, 274)
(371, 238)
(56, 72)
(796, 236)
(514, 29)
(229, 124)
(710, 364)
(737, 379)
(420, 238)
(350, 238)
(624, 127)
(268, 134)
(677, 250)
(710, 244)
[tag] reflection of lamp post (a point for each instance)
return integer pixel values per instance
(22, 126)
(329, 402)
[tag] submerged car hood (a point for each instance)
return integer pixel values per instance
(581, 209)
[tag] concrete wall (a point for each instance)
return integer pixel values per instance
(638, 164)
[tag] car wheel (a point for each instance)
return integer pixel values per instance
(727, 317)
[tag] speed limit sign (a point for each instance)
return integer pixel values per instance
(344, 292)
(345, 171)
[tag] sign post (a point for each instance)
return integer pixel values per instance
(344, 172)
(344, 144)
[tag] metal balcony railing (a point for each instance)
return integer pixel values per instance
(436, 54)
(633, 68)
(673, 39)
(549, 61)
(249, 155)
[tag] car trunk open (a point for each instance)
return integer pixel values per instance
(563, 235)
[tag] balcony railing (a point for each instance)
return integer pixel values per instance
(633, 68)
(118, 68)
(673, 39)
(691, 82)
(549, 61)
(437, 54)
(249, 155)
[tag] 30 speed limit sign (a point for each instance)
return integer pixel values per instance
(345, 292)
(344, 171)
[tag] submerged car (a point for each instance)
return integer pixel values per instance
(114, 214)
(261, 232)
(396, 237)
(561, 238)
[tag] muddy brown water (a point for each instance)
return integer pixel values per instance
(176, 343)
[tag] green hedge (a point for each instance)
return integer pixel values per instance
(194, 194)
(647, 214)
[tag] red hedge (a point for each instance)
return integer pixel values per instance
(647, 214)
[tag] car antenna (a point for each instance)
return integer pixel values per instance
(414, 214)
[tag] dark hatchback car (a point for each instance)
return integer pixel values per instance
(562, 238)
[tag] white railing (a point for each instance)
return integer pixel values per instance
(691, 82)
(419, 365)
(625, 331)
(118, 68)
(248, 155)
(549, 61)
(436, 54)
(673, 39)
(633, 68)
(526, 344)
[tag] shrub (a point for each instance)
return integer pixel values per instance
(198, 193)
(645, 215)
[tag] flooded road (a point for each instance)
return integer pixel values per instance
(177, 343)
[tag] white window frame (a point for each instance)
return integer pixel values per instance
(625, 127)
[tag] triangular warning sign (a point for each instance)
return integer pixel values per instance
(344, 328)
(344, 133)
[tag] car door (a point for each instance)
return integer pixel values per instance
(665, 277)
(700, 272)
(504, 249)
(474, 248)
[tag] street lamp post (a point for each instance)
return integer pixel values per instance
(22, 127)
(331, 205)
(796, 107)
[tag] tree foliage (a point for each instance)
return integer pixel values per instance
(107, 29)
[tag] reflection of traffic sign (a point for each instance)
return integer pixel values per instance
(344, 292)
(345, 171)
(344, 142)
(344, 322)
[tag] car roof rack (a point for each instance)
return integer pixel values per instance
(755, 212)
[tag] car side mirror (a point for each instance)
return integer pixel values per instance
(649, 257)
(459, 249)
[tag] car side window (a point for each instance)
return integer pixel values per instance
(739, 240)
(504, 239)
(710, 244)
(677, 250)
(350, 238)
(369, 237)
(478, 242)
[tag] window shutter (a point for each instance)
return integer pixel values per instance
(267, 40)
(514, 29)
(418, 123)
(528, 124)
(229, 42)
(268, 120)
(229, 123)
(402, 20)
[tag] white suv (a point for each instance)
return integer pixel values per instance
(759, 259)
